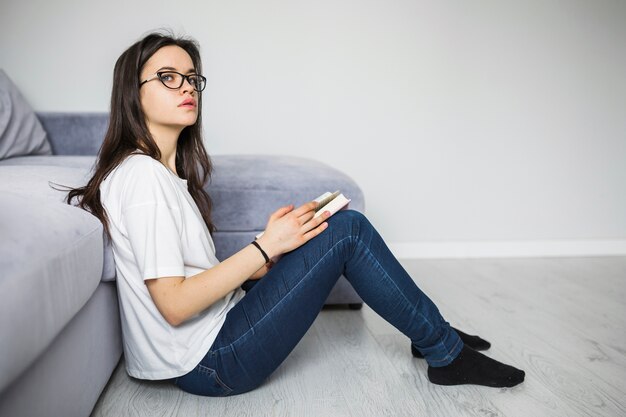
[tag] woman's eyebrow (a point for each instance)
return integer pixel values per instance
(174, 69)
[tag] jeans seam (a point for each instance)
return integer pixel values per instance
(448, 356)
(369, 254)
(282, 299)
(217, 376)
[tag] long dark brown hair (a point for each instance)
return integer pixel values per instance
(128, 132)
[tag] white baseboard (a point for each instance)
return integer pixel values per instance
(508, 249)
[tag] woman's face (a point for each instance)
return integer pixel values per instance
(162, 106)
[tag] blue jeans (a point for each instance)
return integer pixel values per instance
(265, 326)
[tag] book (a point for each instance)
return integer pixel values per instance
(333, 202)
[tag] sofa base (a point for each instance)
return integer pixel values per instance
(70, 376)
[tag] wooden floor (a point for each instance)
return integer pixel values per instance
(562, 320)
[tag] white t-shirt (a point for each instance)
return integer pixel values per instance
(158, 231)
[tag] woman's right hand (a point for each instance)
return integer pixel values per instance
(288, 229)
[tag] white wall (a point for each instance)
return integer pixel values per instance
(472, 127)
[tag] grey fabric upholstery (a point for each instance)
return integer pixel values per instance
(37, 175)
(74, 133)
(20, 130)
(36, 182)
(246, 189)
(40, 275)
(85, 163)
(68, 379)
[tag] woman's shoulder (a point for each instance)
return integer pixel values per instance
(137, 171)
(139, 179)
(140, 162)
(138, 166)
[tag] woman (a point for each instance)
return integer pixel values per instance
(185, 316)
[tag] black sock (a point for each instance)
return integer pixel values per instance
(472, 367)
(474, 342)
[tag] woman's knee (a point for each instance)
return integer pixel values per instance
(350, 215)
(353, 221)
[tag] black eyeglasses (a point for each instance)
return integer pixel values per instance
(175, 80)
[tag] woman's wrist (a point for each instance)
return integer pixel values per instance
(260, 249)
(267, 247)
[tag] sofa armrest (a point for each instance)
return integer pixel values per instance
(72, 133)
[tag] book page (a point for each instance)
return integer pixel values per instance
(336, 204)
(325, 199)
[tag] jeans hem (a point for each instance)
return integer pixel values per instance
(450, 356)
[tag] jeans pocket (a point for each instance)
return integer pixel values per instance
(203, 381)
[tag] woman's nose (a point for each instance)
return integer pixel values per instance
(187, 87)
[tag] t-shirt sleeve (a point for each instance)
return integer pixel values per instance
(153, 222)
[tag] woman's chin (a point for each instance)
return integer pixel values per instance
(186, 121)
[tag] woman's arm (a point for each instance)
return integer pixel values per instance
(178, 299)
(261, 272)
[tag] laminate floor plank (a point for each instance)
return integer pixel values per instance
(552, 354)
(362, 372)
(588, 340)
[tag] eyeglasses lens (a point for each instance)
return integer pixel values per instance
(175, 80)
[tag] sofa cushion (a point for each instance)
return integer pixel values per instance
(20, 130)
(51, 263)
(84, 163)
(246, 189)
(35, 180)
(74, 133)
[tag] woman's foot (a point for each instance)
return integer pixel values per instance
(472, 367)
(474, 342)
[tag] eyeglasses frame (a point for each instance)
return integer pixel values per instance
(157, 75)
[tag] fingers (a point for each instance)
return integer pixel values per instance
(315, 231)
(281, 212)
(307, 231)
(305, 208)
(304, 219)
(314, 223)
(297, 226)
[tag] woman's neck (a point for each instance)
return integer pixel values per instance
(166, 138)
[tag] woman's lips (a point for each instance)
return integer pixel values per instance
(189, 103)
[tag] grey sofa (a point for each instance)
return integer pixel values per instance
(61, 337)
